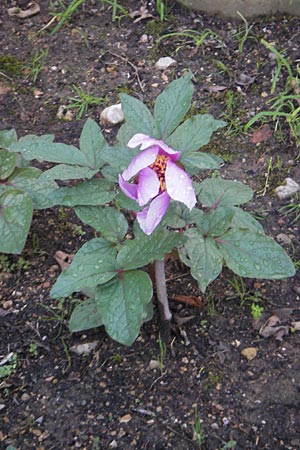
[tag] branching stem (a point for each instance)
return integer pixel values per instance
(161, 288)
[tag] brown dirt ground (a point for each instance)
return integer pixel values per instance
(111, 397)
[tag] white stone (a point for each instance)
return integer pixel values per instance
(288, 189)
(165, 62)
(112, 115)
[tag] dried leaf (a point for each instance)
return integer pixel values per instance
(261, 135)
(63, 259)
(141, 14)
(273, 328)
(188, 299)
(215, 89)
(244, 80)
(296, 325)
(82, 349)
(33, 9)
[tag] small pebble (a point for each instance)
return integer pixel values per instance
(112, 115)
(164, 63)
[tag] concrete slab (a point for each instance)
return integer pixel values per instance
(247, 8)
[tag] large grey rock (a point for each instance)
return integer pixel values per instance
(247, 8)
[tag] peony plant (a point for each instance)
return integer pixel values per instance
(143, 198)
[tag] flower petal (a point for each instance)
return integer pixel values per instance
(146, 141)
(151, 216)
(179, 185)
(129, 189)
(148, 186)
(139, 162)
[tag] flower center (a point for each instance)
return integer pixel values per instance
(159, 167)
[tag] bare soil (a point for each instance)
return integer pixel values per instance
(205, 394)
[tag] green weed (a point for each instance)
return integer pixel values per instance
(286, 105)
(189, 37)
(243, 33)
(293, 208)
(241, 292)
(198, 432)
(8, 265)
(33, 70)
(256, 311)
(118, 12)
(83, 101)
(65, 14)
(8, 365)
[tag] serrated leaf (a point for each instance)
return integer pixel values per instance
(195, 161)
(67, 172)
(7, 137)
(172, 105)
(215, 222)
(93, 192)
(218, 192)
(43, 150)
(243, 219)
(85, 316)
(40, 191)
(124, 304)
(7, 164)
(137, 116)
(145, 249)
(15, 219)
(255, 255)
(194, 133)
(93, 264)
(91, 143)
(108, 221)
(202, 256)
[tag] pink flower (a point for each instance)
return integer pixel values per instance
(156, 179)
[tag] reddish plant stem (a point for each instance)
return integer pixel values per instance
(161, 288)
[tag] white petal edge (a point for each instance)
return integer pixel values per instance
(179, 185)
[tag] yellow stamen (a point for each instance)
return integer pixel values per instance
(159, 166)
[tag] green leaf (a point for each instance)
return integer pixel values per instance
(93, 264)
(85, 316)
(7, 137)
(218, 192)
(67, 172)
(194, 133)
(93, 192)
(7, 164)
(255, 255)
(138, 117)
(40, 191)
(193, 162)
(43, 150)
(108, 221)
(243, 219)
(172, 105)
(178, 215)
(15, 220)
(202, 256)
(145, 249)
(91, 143)
(215, 222)
(119, 157)
(124, 304)
(125, 133)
